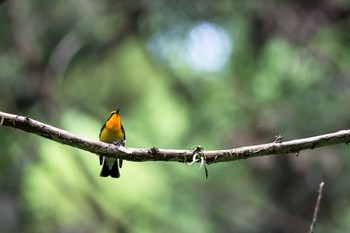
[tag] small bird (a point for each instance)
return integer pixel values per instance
(112, 131)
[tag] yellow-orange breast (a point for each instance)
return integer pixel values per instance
(112, 129)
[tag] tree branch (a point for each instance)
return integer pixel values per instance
(156, 154)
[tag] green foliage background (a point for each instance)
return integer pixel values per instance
(69, 63)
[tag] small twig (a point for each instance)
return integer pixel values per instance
(278, 138)
(317, 208)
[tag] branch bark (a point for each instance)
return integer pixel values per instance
(156, 154)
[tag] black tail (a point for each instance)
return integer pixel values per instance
(114, 172)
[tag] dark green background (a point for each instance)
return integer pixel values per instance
(69, 63)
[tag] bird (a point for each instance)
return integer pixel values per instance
(112, 131)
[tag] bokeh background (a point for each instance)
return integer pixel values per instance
(220, 74)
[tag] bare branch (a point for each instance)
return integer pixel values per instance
(156, 154)
(317, 208)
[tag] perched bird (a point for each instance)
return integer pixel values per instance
(112, 131)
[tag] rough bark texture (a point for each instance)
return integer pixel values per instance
(157, 154)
